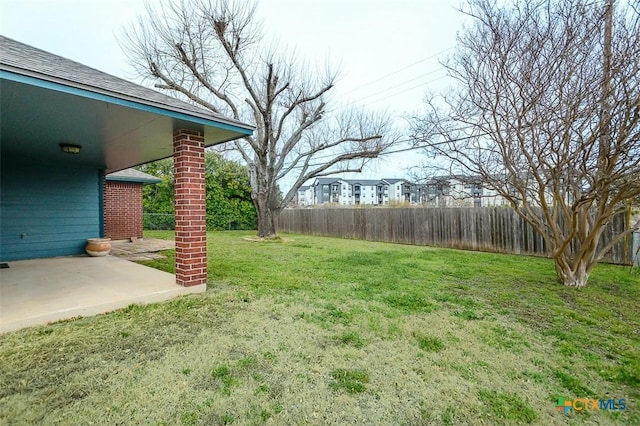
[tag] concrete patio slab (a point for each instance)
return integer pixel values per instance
(34, 292)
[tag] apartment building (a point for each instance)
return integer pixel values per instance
(357, 191)
(458, 191)
(437, 191)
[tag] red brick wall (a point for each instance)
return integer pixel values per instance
(190, 208)
(122, 210)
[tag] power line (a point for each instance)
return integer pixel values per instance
(402, 84)
(399, 70)
(412, 148)
(419, 147)
(409, 89)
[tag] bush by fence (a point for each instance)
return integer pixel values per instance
(158, 221)
(481, 229)
(166, 221)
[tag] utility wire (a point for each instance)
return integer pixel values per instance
(402, 84)
(319, 157)
(407, 90)
(399, 70)
(412, 148)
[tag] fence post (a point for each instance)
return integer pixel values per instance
(635, 249)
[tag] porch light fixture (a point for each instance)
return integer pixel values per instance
(70, 148)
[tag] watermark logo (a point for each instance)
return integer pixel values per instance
(587, 404)
(564, 405)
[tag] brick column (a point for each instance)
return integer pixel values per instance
(190, 204)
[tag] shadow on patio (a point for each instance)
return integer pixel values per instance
(39, 291)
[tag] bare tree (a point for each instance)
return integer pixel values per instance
(546, 112)
(212, 53)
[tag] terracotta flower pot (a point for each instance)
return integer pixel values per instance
(98, 247)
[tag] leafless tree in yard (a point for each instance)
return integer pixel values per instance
(212, 52)
(547, 112)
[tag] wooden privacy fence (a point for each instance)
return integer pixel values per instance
(481, 229)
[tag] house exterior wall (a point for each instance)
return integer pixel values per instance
(308, 196)
(324, 192)
(394, 191)
(403, 191)
(368, 194)
(305, 196)
(47, 209)
(122, 210)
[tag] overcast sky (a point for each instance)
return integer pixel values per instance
(387, 50)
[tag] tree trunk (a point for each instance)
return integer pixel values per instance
(262, 200)
(266, 224)
(266, 216)
(575, 275)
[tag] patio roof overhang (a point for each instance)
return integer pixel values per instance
(115, 131)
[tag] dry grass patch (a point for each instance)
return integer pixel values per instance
(265, 362)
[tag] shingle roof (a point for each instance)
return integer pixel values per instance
(448, 178)
(329, 180)
(367, 182)
(132, 175)
(23, 59)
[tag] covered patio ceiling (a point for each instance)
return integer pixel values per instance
(114, 134)
(47, 100)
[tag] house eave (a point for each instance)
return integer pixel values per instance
(53, 83)
(132, 179)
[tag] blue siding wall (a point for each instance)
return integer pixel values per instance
(47, 209)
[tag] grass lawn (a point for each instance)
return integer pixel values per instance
(323, 331)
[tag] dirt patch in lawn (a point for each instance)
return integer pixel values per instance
(267, 240)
